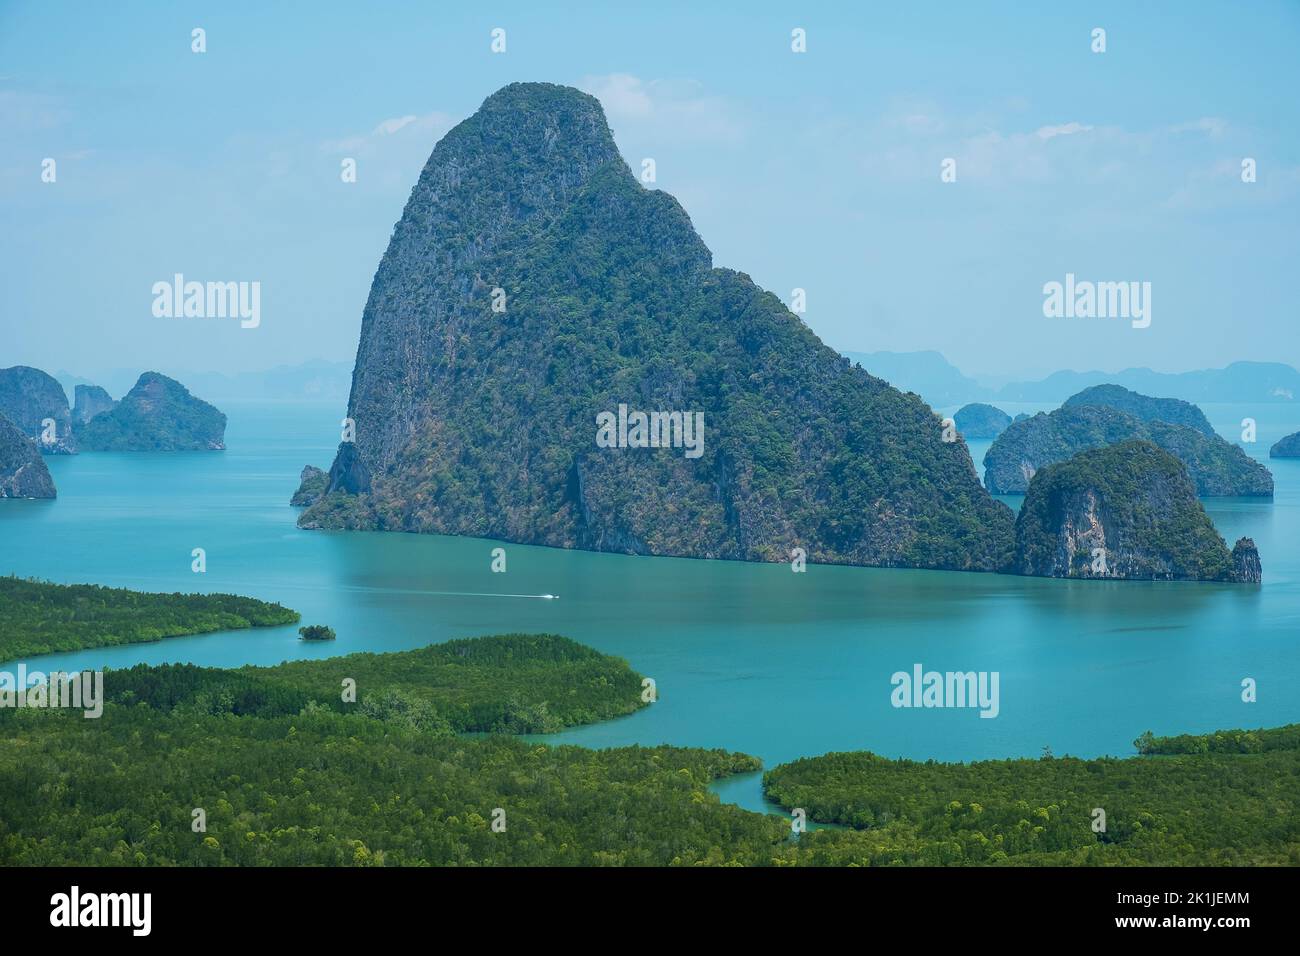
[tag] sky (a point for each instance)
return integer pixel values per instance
(818, 170)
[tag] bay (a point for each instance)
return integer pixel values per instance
(745, 657)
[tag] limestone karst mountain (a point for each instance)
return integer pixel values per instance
(533, 286)
(1126, 511)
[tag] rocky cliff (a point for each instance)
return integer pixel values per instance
(89, 401)
(312, 483)
(978, 420)
(30, 399)
(1126, 511)
(534, 292)
(23, 473)
(158, 414)
(1217, 467)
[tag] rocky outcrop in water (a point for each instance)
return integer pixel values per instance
(1288, 447)
(36, 403)
(1125, 511)
(158, 414)
(533, 287)
(978, 420)
(1217, 467)
(312, 483)
(1245, 562)
(89, 401)
(23, 473)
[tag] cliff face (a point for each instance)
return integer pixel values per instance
(480, 421)
(22, 470)
(89, 401)
(158, 414)
(28, 397)
(1126, 511)
(978, 420)
(1172, 410)
(312, 483)
(1217, 467)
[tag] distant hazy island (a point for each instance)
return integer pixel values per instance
(157, 414)
(1109, 415)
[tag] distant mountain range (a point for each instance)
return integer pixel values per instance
(941, 383)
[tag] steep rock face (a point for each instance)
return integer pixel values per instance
(23, 473)
(30, 397)
(312, 483)
(1126, 511)
(480, 422)
(1288, 447)
(1217, 467)
(978, 420)
(158, 414)
(1245, 562)
(1172, 410)
(89, 401)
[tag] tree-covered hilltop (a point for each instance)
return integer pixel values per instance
(978, 420)
(1121, 511)
(1217, 467)
(23, 473)
(482, 422)
(510, 683)
(1171, 410)
(158, 414)
(1218, 807)
(37, 617)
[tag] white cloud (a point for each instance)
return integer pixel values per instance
(1064, 129)
(430, 126)
(664, 109)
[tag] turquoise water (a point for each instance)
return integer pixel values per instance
(747, 657)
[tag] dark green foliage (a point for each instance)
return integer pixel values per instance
(37, 617)
(286, 778)
(510, 683)
(1223, 741)
(611, 298)
(317, 632)
(327, 789)
(1133, 500)
(158, 414)
(1223, 807)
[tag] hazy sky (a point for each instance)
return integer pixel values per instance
(818, 170)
